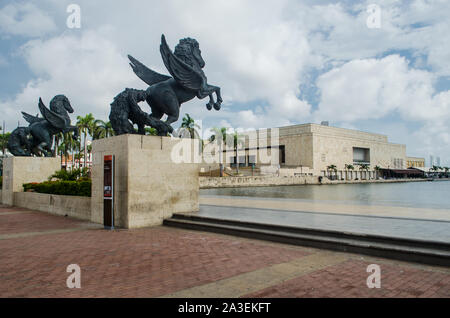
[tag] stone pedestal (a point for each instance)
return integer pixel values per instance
(20, 170)
(150, 182)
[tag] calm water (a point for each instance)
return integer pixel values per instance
(434, 194)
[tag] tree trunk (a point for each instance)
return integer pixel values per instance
(85, 158)
(237, 160)
(220, 160)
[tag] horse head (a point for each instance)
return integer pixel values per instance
(188, 51)
(60, 104)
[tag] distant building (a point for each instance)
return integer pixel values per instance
(313, 148)
(415, 162)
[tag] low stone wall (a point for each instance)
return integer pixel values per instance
(265, 181)
(256, 181)
(72, 206)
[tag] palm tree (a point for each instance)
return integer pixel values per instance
(70, 144)
(446, 169)
(237, 141)
(332, 168)
(349, 167)
(435, 169)
(102, 129)
(75, 151)
(220, 137)
(189, 124)
(377, 171)
(58, 141)
(86, 126)
(363, 167)
(4, 141)
(62, 148)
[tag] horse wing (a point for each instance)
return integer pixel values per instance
(53, 118)
(31, 119)
(183, 73)
(144, 73)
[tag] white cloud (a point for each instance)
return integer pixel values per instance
(378, 88)
(373, 88)
(88, 69)
(25, 19)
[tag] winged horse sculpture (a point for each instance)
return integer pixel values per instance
(42, 129)
(165, 94)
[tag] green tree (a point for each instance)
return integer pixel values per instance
(102, 129)
(4, 141)
(151, 131)
(332, 168)
(349, 167)
(189, 124)
(237, 141)
(70, 144)
(363, 167)
(86, 126)
(377, 171)
(220, 137)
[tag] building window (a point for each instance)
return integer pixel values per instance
(361, 155)
(282, 154)
(398, 163)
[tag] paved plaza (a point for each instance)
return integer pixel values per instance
(36, 248)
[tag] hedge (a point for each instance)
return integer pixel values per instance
(77, 188)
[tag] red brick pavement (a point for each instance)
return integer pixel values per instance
(29, 221)
(348, 279)
(134, 263)
(156, 261)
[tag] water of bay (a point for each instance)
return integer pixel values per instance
(433, 195)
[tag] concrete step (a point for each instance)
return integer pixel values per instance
(427, 252)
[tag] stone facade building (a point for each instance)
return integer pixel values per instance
(313, 148)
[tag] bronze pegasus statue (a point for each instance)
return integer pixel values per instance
(165, 94)
(37, 138)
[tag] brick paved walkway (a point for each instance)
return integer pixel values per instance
(36, 248)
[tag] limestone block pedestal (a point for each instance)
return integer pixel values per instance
(20, 170)
(149, 184)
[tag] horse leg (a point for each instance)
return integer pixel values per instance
(141, 129)
(210, 103)
(208, 91)
(41, 149)
(218, 104)
(172, 108)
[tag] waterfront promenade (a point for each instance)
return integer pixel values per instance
(36, 249)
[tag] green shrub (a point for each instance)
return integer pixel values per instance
(1, 182)
(77, 188)
(70, 175)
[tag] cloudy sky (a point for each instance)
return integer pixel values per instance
(277, 62)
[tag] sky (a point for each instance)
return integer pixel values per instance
(383, 69)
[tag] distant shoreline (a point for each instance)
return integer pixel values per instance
(268, 181)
